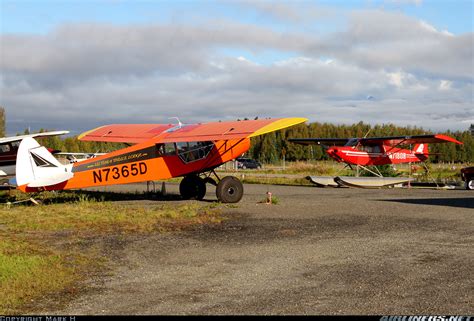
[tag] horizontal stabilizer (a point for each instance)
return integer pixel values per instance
(51, 180)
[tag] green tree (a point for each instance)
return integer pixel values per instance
(2, 122)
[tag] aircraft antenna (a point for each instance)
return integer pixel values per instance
(180, 124)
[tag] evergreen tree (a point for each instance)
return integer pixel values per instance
(2, 122)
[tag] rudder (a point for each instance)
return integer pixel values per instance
(421, 149)
(36, 167)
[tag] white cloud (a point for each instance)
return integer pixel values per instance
(402, 2)
(396, 79)
(83, 75)
(445, 85)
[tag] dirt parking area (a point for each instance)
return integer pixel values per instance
(318, 251)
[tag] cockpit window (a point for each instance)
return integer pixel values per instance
(193, 151)
(370, 149)
(4, 148)
(352, 142)
(167, 149)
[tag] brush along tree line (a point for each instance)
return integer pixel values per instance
(272, 147)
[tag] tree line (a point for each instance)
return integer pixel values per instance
(274, 146)
(2, 122)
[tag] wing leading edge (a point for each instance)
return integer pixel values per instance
(184, 133)
(409, 140)
(386, 140)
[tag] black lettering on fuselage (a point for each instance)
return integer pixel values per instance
(118, 172)
(143, 168)
(97, 176)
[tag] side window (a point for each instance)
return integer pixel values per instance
(369, 149)
(4, 148)
(182, 148)
(167, 149)
(193, 151)
(352, 142)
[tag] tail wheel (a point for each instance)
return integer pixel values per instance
(229, 190)
(470, 184)
(192, 187)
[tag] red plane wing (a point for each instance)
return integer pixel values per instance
(408, 140)
(130, 133)
(374, 141)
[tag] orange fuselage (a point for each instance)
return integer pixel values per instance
(147, 162)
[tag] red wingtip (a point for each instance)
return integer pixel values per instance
(448, 139)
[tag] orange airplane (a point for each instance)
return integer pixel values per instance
(160, 152)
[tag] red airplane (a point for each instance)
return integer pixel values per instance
(374, 151)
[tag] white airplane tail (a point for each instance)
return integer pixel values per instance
(36, 167)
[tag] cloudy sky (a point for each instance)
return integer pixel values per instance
(79, 64)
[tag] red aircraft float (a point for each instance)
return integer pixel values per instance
(374, 151)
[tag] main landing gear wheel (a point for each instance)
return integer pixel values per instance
(229, 190)
(192, 187)
(470, 184)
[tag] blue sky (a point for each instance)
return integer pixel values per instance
(108, 61)
(37, 16)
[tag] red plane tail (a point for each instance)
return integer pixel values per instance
(421, 149)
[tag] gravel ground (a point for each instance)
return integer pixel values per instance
(318, 251)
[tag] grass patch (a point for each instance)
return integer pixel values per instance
(47, 250)
(276, 181)
(305, 168)
(275, 200)
(29, 271)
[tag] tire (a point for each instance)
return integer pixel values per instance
(470, 184)
(229, 190)
(192, 187)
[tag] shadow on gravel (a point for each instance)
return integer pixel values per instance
(467, 202)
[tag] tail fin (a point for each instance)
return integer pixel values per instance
(36, 167)
(421, 149)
